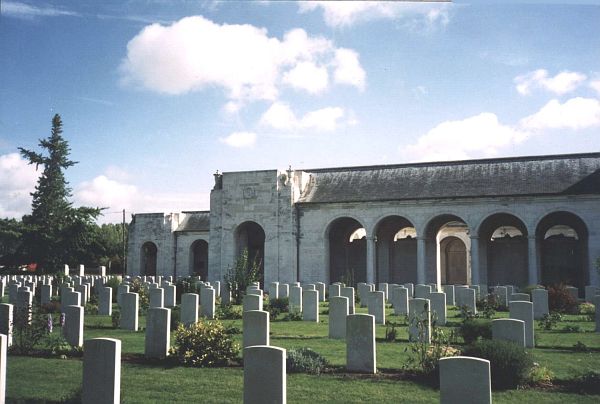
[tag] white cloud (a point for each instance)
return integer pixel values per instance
(194, 53)
(114, 195)
(21, 10)
(307, 76)
(425, 16)
(348, 69)
(17, 182)
(563, 83)
(281, 117)
(476, 136)
(575, 113)
(239, 139)
(595, 85)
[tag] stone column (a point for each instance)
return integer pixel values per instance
(421, 258)
(370, 259)
(101, 371)
(532, 265)
(265, 379)
(474, 260)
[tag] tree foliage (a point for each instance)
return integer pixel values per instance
(243, 273)
(55, 231)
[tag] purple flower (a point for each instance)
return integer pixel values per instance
(49, 323)
(62, 319)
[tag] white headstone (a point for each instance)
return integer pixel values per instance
(449, 291)
(383, 287)
(438, 307)
(334, 290)
(158, 333)
(349, 293)
(400, 300)
(252, 302)
(321, 289)
(157, 297)
(509, 329)
(256, 328)
(521, 310)
(273, 290)
(6, 321)
(310, 305)
(170, 293)
(207, 303)
(296, 299)
(264, 375)
(376, 305)
(465, 380)
(101, 371)
(467, 299)
(338, 311)
(361, 355)
(422, 291)
(130, 303)
(73, 328)
(105, 301)
(539, 297)
(419, 320)
(189, 308)
(3, 354)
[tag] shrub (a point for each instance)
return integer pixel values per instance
(540, 375)
(529, 288)
(204, 344)
(305, 360)
(488, 306)
(550, 320)
(185, 285)
(586, 308)
(243, 273)
(580, 347)
(277, 306)
(136, 286)
(293, 316)
(390, 331)
(510, 364)
(465, 313)
(175, 317)
(30, 327)
(228, 312)
(560, 300)
(471, 330)
(116, 318)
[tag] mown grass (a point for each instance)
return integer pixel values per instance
(32, 379)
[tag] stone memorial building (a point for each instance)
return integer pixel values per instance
(518, 220)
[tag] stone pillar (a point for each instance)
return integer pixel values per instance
(129, 311)
(101, 371)
(474, 260)
(6, 321)
(256, 328)
(376, 305)
(73, 328)
(349, 293)
(532, 267)
(310, 305)
(158, 333)
(265, 379)
(421, 259)
(189, 308)
(338, 311)
(454, 371)
(419, 311)
(524, 311)
(207, 303)
(105, 301)
(370, 259)
(361, 355)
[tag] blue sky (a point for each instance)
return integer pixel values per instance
(156, 96)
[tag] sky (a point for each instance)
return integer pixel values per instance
(156, 96)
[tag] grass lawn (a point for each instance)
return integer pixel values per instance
(31, 379)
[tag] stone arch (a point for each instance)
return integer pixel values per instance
(436, 230)
(563, 252)
(396, 250)
(346, 259)
(250, 236)
(199, 259)
(503, 248)
(148, 259)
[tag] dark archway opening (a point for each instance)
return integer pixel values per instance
(396, 251)
(148, 261)
(199, 259)
(251, 236)
(347, 251)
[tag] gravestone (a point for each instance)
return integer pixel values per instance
(101, 371)
(207, 303)
(376, 305)
(46, 296)
(438, 306)
(338, 311)
(265, 377)
(120, 291)
(422, 291)
(130, 303)
(296, 299)
(419, 312)
(477, 290)
(521, 297)
(158, 333)
(349, 293)
(590, 293)
(467, 299)
(284, 290)
(334, 290)
(252, 291)
(449, 291)
(274, 290)
(458, 294)
(321, 289)
(189, 308)
(509, 329)
(411, 289)
(573, 291)
(383, 287)
(3, 354)
(6, 321)
(521, 310)
(252, 302)
(105, 301)
(310, 305)
(24, 304)
(539, 297)
(465, 380)
(157, 297)
(361, 355)
(73, 328)
(501, 294)
(400, 300)
(170, 294)
(256, 328)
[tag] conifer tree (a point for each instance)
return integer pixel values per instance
(54, 229)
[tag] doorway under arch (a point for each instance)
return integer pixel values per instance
(149, 252)
(250, 236)
(199, 259)
(440, 228)
(396, 250)
(347, 249)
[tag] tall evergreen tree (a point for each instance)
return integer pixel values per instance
(54, 227)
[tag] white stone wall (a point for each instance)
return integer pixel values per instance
(184, 250)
